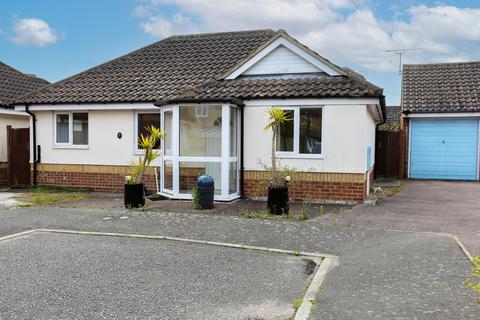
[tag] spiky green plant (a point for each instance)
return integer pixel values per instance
(276, 117)
(147, 143)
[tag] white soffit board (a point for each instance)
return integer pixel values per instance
(281, 60)
(288, 52)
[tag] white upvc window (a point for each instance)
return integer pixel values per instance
(302, 136)
(144, 119)
(71, 129)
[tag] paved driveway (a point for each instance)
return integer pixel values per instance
(78, 276)
(432, 206)
(382, 274)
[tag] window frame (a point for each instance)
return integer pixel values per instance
(295, 154)
(136, 150)
(69, 144)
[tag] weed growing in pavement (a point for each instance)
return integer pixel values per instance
(321, 210)
(295, 252)
(305, 211)
(297, 302)
(196, 198)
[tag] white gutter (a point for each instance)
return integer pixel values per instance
(443, 115)
(13, 112)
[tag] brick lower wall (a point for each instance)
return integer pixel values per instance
(96, 178)
(312, 186)
(3, 174)
(306, 185)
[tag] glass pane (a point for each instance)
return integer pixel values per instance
(233, 132)
(285, 137)
(201, 131)
(168, 175)
(62, 128)
(190, 171)
(311, 131)
(146, 120)
(168, 121)
(232, 178)
(80, 128)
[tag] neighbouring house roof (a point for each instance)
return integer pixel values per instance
(15, 84)
(392, 121)
(194, 66)
(443, 87)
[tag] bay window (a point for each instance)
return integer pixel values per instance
(302, 136)
(71, 129)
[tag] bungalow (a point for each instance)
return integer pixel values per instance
(13, 85)
(209, 92)
(441, 112)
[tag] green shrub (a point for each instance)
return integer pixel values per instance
(474, 281)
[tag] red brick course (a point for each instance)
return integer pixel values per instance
(312, 190)
(102, 182)
(3, 175)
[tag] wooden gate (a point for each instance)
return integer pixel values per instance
(387, 154)
(18, 156)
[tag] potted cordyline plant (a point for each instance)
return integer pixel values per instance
(278, 199)
(134, 195)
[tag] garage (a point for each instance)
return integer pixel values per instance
(440, 121)
(444, 149)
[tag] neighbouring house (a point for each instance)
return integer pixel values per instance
(441, 112)
(388, 145)
(209, 92)
(13, 85)
(392, 119)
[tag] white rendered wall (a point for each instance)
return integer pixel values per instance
(281, 61)
(15, 122)
(346, 133)
(104, 147)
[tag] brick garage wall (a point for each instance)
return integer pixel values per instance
(312, 186)
(404, 138)
(96, 178)
(3, 174)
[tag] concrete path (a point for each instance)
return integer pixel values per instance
(433, 206)
(381, 274)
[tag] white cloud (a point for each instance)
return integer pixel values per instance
(345, 31)
(33, 32)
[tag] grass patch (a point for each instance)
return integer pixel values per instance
(266, 215)
(48, 195)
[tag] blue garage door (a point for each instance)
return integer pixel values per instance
(444, 149)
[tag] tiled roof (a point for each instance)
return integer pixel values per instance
(446, 87)
(191, 66)
(155, 71)
(325, 86)
(392, 122)
(14, 84)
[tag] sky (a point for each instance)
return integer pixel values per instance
(55, 39)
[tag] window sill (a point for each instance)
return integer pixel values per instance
(300, 156)
(70, 147)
